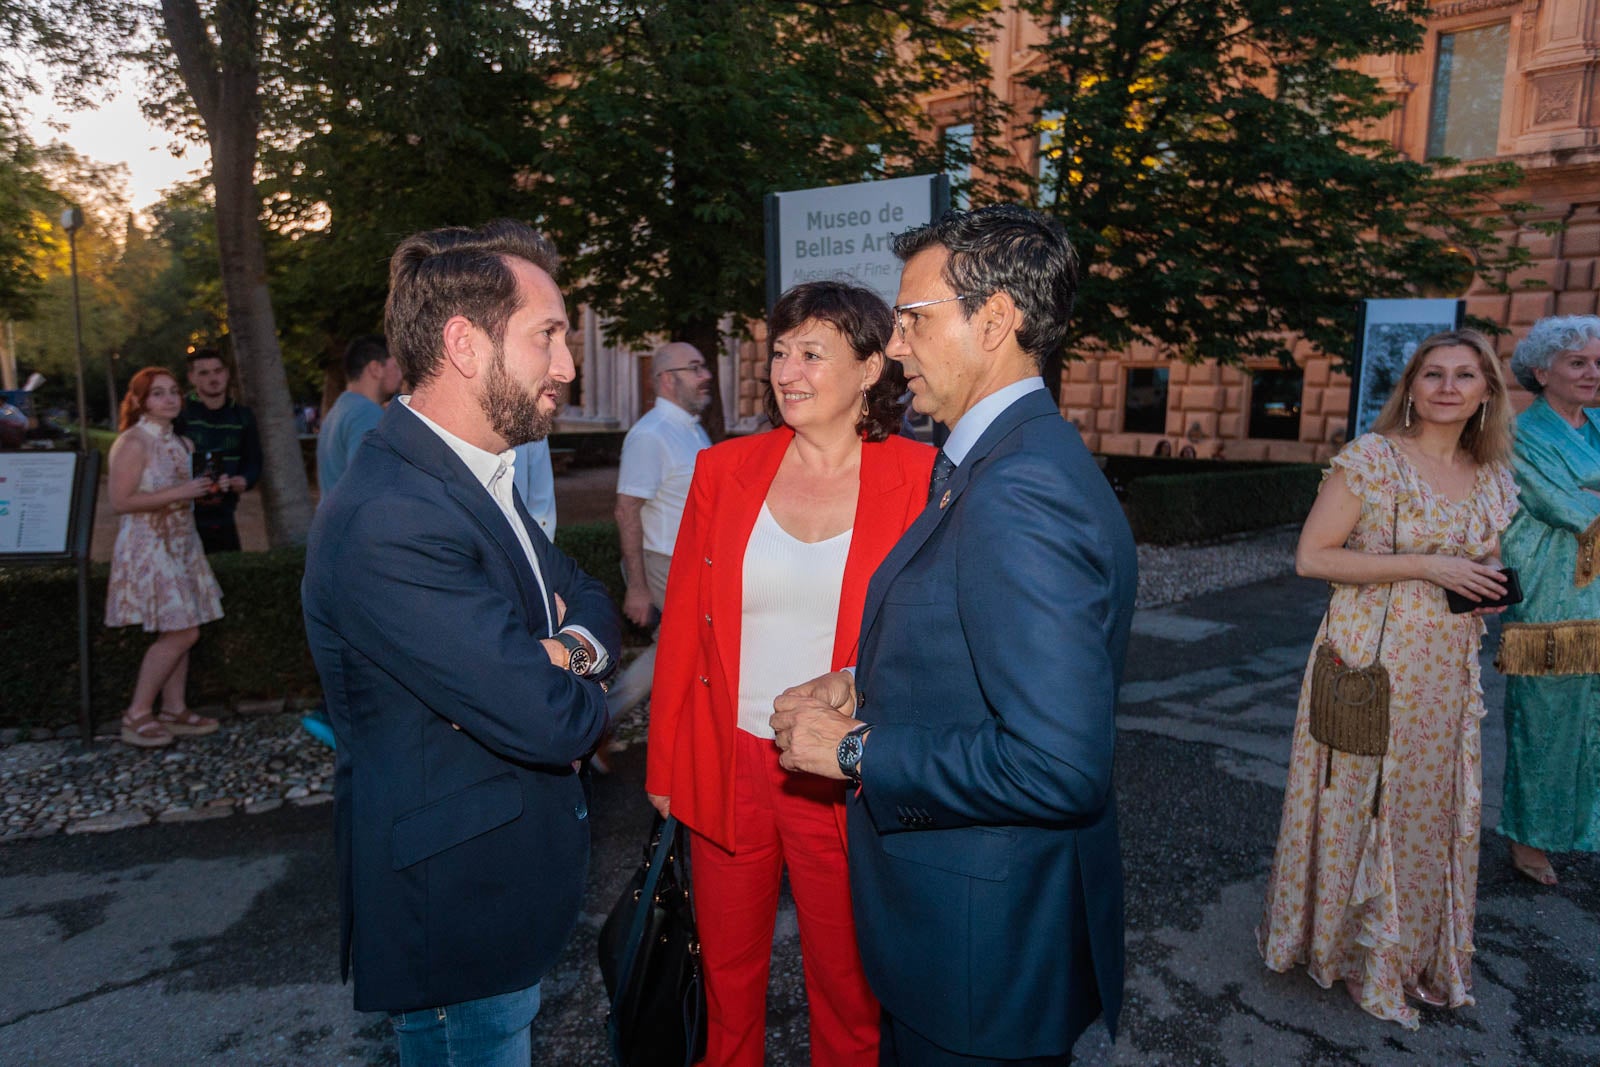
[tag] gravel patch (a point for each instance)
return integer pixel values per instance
(1183, 572)
(256, 763)
(250, 764)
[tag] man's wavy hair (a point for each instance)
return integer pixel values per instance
(438, 274)
(1006, 249)
(866, 323)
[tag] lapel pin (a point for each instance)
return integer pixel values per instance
(944, 501)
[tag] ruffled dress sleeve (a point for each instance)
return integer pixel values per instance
(1369, 469)
(1499, 500)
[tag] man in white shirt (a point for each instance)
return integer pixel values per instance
(372, 377)
(652, 488)
(459, 652)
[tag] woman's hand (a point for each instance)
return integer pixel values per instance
(663, 805)
(1473, 580)
(193, 489)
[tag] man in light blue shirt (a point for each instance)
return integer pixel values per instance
(372, 377)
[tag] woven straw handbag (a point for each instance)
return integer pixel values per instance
(1349, 706)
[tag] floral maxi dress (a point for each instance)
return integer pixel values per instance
(1385, 901)
(159, 575)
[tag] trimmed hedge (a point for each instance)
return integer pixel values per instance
(256, 651)
(1176, 509)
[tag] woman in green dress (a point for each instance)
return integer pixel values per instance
(1550, 647)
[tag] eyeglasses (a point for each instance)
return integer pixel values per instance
(693, 368)
(900, 310)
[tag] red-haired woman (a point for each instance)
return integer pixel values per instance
(159, 575)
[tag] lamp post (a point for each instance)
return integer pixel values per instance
(72, 222)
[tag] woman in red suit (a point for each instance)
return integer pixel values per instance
(780, 535)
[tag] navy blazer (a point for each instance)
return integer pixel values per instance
(984, 862)
(460, 825)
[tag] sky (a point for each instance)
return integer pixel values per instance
(117, 133)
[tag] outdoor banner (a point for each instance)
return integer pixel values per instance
(847, 231)
(1387, 333)
(36, 502)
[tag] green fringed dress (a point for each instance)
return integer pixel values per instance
(1550, 646)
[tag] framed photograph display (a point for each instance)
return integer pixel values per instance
(1387, 333)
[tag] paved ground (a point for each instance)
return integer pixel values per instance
(215, 942)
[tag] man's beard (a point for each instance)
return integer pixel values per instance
(513, 411)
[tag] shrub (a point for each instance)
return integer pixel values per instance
(256, 651)
(1174, 509)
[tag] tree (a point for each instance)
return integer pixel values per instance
(25, 203)
(217, 54)
(385, 119)
(1215, 164)
(672, 119)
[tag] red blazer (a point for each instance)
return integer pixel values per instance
(694, 701)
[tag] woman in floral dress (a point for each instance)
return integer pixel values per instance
(159, 575)
(1374, 881)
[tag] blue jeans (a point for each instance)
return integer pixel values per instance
(491, 1032)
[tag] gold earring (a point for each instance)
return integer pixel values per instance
(1408, 411)
(1483, 416)
(866, 408)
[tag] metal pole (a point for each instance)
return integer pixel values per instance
(77, 331)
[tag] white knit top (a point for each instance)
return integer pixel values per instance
(791, 606)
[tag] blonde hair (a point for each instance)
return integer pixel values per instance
(1487, 435)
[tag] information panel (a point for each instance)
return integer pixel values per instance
(36, 497)
(847, 231)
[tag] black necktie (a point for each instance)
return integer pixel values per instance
(942, 468)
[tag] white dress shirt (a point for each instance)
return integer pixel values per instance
(496, 474)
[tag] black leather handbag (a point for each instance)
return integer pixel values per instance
(650, 960)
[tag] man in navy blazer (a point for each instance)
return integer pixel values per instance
(458, 651)
(984, 861)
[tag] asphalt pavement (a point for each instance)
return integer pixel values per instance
(216, 942)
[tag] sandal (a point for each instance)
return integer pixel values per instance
(144, 731)
(1541, 871)
(185, 723)
(1420, 993)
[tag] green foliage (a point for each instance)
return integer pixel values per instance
(670, 120)
(1181, 508)
(25, 202)
(381, 119)
(1213, 163)
(256, 651)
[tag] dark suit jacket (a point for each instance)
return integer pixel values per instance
(461, 852)
(984, 860)
(694, 704)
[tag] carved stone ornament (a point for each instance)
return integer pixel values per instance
(1468, 7)
(1554, 100)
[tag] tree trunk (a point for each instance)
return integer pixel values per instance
(705, 335)
(222, 77)
(286, 494)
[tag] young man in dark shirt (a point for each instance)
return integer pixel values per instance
(224, 435)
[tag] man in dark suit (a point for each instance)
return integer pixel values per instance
(984, 861)
(458, 650)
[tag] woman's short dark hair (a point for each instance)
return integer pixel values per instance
(866, 323)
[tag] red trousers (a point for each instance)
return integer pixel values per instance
(781, 819)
